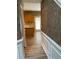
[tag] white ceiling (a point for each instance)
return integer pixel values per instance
(32, 1)
(32, 6)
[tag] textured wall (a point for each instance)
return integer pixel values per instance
(51, 20)
(18, 20)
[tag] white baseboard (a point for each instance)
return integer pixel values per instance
(51, 48)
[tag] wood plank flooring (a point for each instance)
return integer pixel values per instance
(34, 49)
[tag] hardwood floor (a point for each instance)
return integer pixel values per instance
(34, 49)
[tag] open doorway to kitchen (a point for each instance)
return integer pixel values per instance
(32, 22)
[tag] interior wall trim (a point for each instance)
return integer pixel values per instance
(50, 47)
(58, 2)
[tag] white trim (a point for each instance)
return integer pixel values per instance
(19, 40)
(20, 50)
(51, 40)
(58, 2)
(44, 49)
(50, 46)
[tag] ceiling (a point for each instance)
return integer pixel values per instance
(32, 1)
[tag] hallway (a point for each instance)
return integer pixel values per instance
(34, 49)
(41, 29)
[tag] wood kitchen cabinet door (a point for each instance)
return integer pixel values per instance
(28, 19)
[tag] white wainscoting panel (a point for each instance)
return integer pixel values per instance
(51, 48)
(20, 52)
